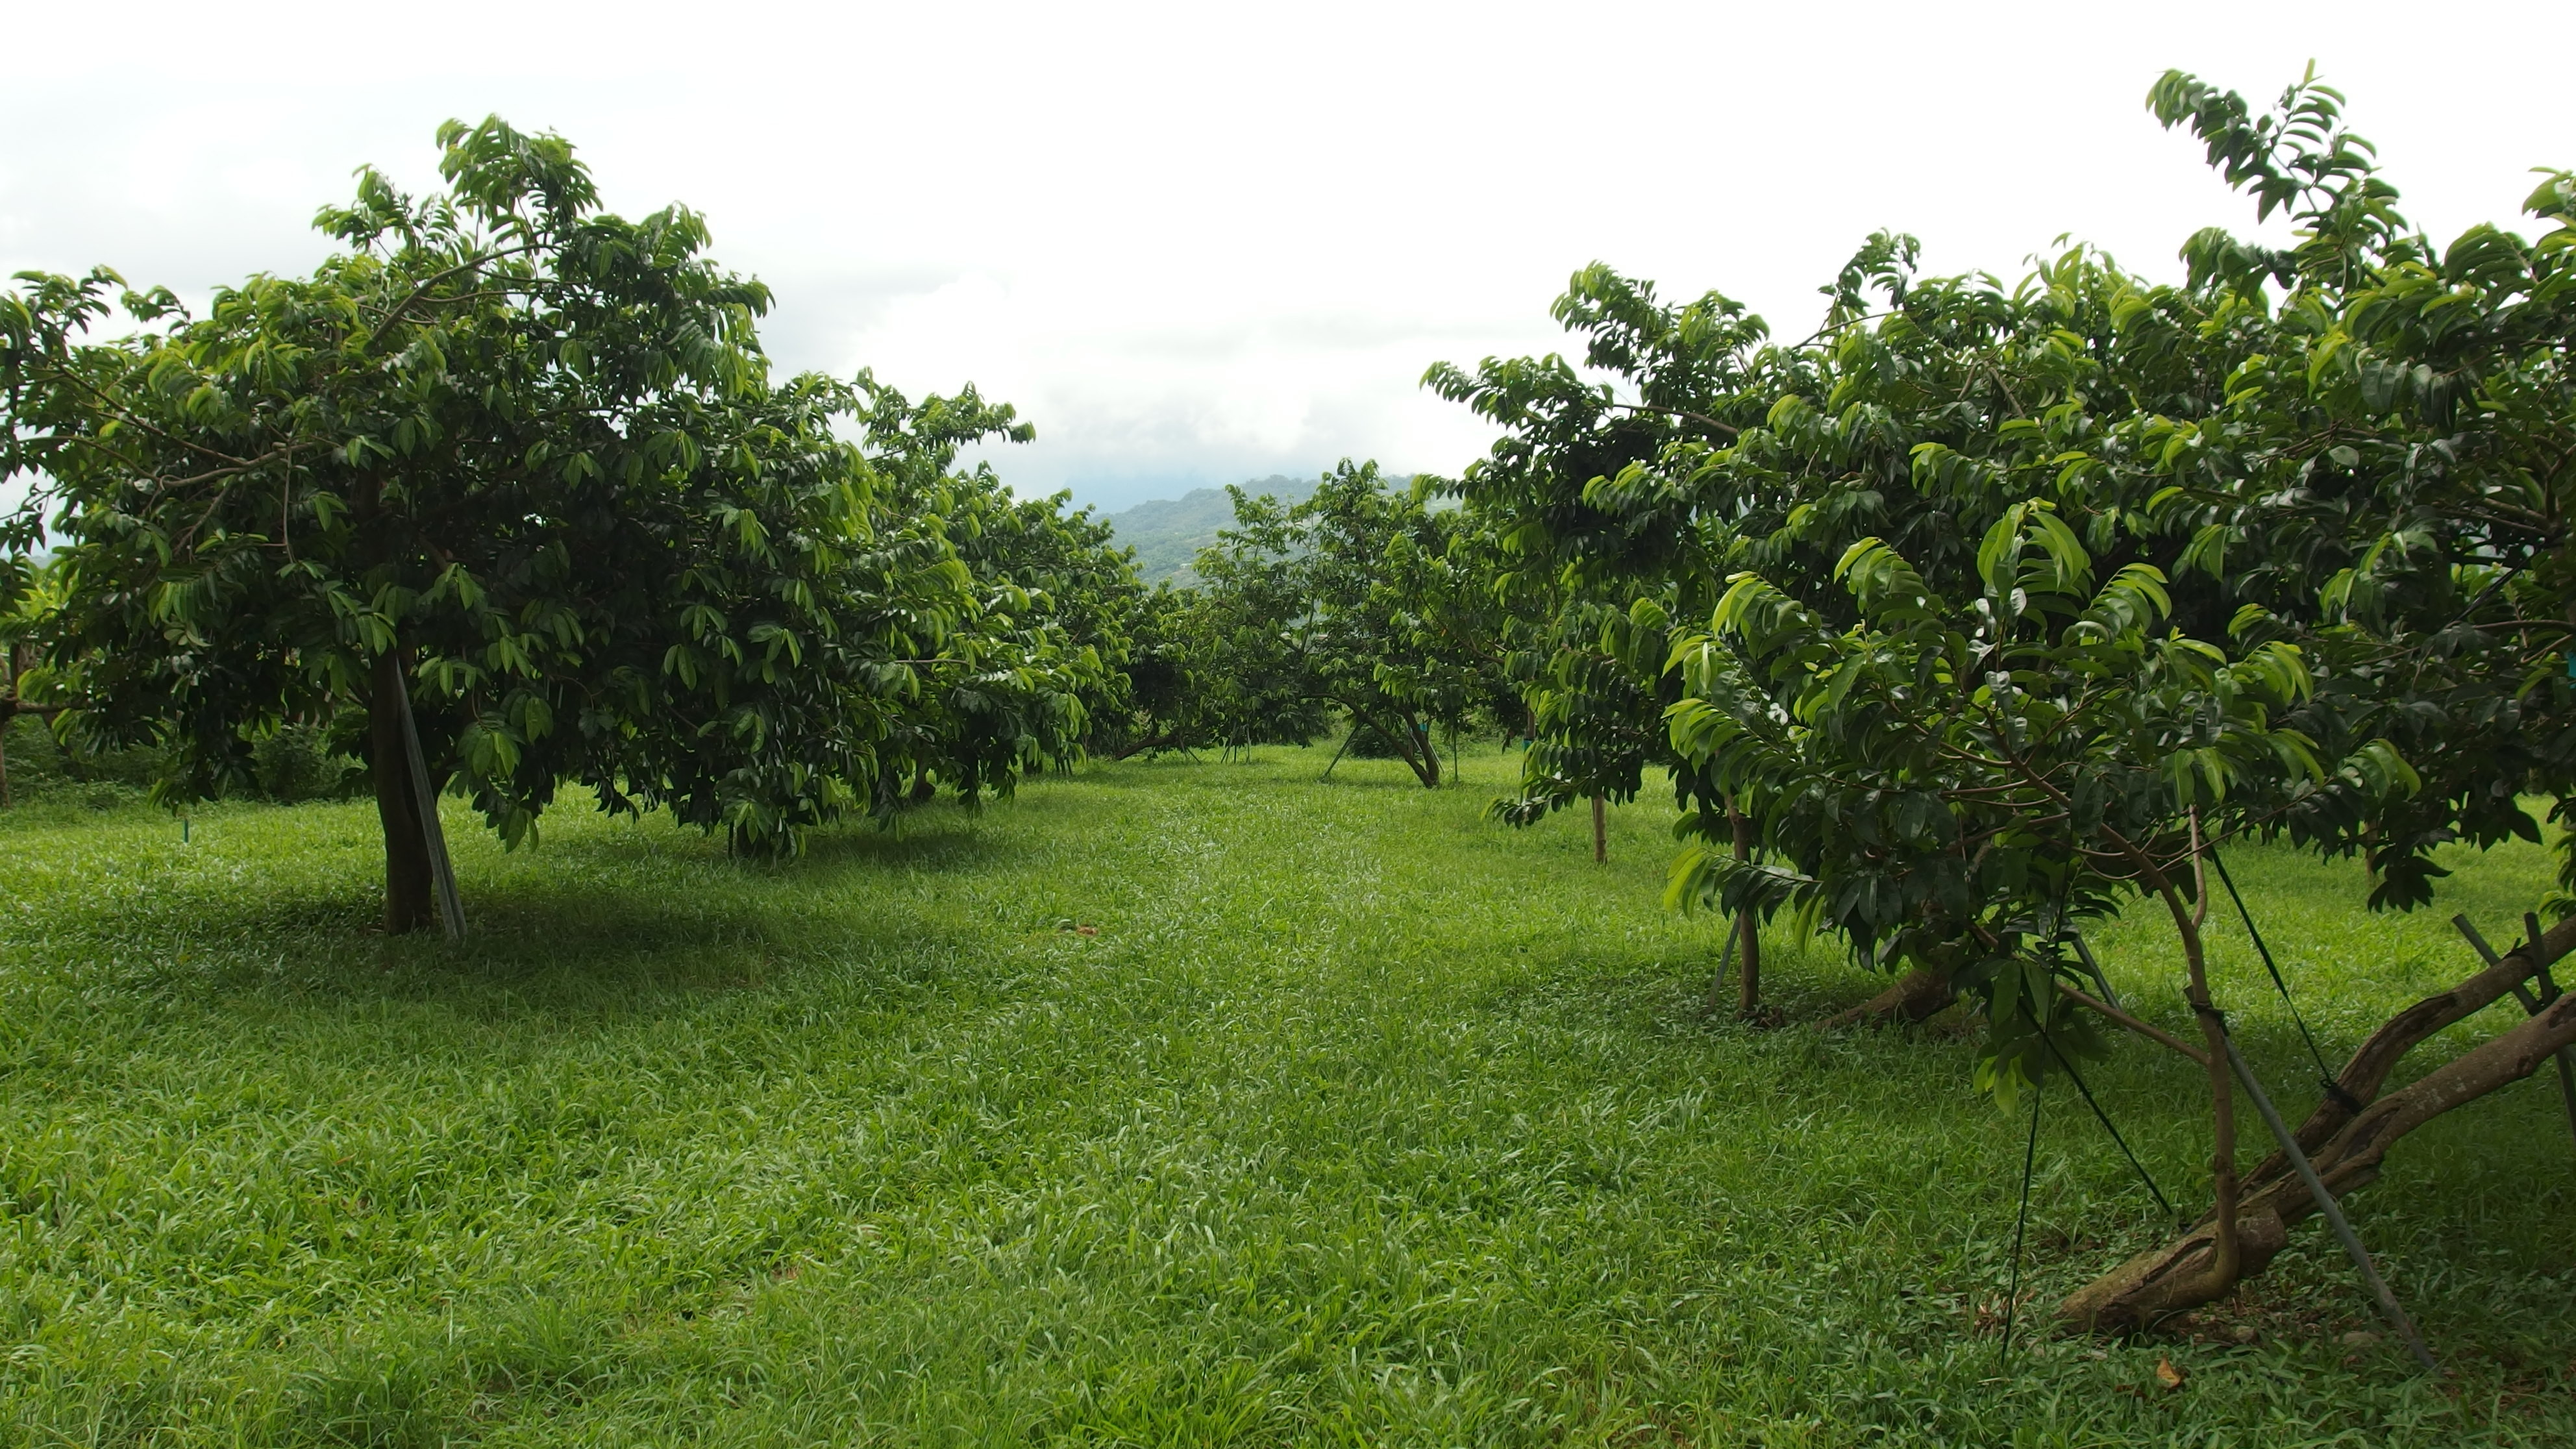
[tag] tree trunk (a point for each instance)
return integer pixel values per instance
(1151, 742)
(2212, 1258)
(410, 899)
(2345, 1147)
(1426, 758)
(1748, 994)
(1918, 995)
(1412, 746)
(2367, 1071)
(1600, 833)
(17, 665)
(2219, 1267)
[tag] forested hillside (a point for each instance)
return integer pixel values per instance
(1167, 533)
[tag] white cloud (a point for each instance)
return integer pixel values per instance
(1195, 243)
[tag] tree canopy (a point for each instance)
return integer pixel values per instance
(514, 468)
(1358, 598)
(1994, 608)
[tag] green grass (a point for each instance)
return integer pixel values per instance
(1359, 1121)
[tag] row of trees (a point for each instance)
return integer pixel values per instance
(504, 496)
(1359, 604)
(1982, 612)
(1989, 610)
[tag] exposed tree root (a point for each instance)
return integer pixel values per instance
(1918, 995)
(2345, 1146)
(1138, 747)
(2176, 1277)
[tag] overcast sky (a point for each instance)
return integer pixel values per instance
(1202, 243)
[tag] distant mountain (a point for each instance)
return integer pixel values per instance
(1168, 533)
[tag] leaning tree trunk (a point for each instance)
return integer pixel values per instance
(1420, 754)
(411, 901)
(2345, 1146)
(1150, 742)
(1412, 745)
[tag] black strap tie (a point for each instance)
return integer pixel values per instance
(2325, 1074)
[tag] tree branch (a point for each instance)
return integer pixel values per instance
(2154, 1034)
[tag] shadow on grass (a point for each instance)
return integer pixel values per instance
(1287, 767)
(548, 958)
(603, 927)
(1134, 775)
(944, 836)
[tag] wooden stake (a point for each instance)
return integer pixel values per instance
(442, 871)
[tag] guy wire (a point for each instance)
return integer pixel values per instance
(2325, 1074)
(2107, 1125)
(2021, 1225)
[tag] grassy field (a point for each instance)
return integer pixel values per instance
(1358, 1120)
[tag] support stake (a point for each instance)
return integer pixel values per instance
(1725, 964)
(2531, 1007)
(442, 871)
(2327, 1205)
(2084, 954)
(1337, 754)
(2021, 1226)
